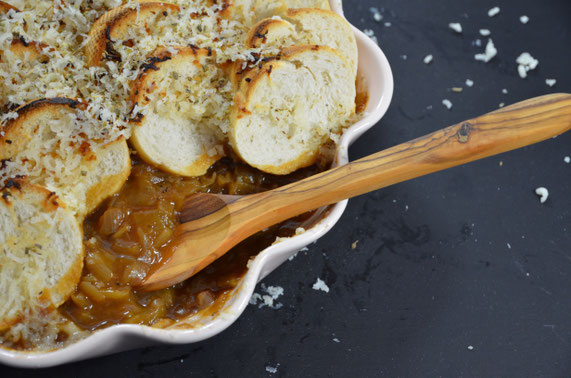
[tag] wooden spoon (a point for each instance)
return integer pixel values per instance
(211, 224)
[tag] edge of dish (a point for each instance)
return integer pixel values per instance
(375, 69)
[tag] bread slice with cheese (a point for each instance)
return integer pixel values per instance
(179, 129)
(251, 11)
(306, 27)
(41, 244)
(114, 26)
(286, 109)
(56, 144)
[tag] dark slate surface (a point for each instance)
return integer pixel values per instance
(425, 283)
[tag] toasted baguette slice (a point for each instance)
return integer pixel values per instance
(42, 251)
(48, 143)
(178, 131)
(5, 7)
(251, 11)
(306, 27)
(286, 109)
(115, 24)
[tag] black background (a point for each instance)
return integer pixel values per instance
(425, 283)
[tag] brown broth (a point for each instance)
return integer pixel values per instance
(127, 233)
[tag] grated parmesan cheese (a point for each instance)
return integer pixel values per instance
(456, 26)
(485, 32)
(524, 19)
(371, 34)
(469, 83)
(550, 82)
(268, 299)
(272, 370)
(494, 11)
(526, 63)
(377, 16)
(543, 194)
(447, 103)
(428, 59)
(489, 53)
(320, 285)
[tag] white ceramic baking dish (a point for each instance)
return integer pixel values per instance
(376, 72)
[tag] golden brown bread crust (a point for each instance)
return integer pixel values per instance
(298, 11)
(257, 35)
(15, 187)
(114, 24)
(5, 7)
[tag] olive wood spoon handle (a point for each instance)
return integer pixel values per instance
(212, 224)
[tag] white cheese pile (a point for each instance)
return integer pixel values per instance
(526, 63)
(550, 82)
(272, 370)
(489, 53)
(377, 16)
(268, 299)
(494, 11)
(371, 34)
(320, 285)
(543, 194)
(456, 26)
(447, 103)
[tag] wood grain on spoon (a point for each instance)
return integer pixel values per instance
(212, 224)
